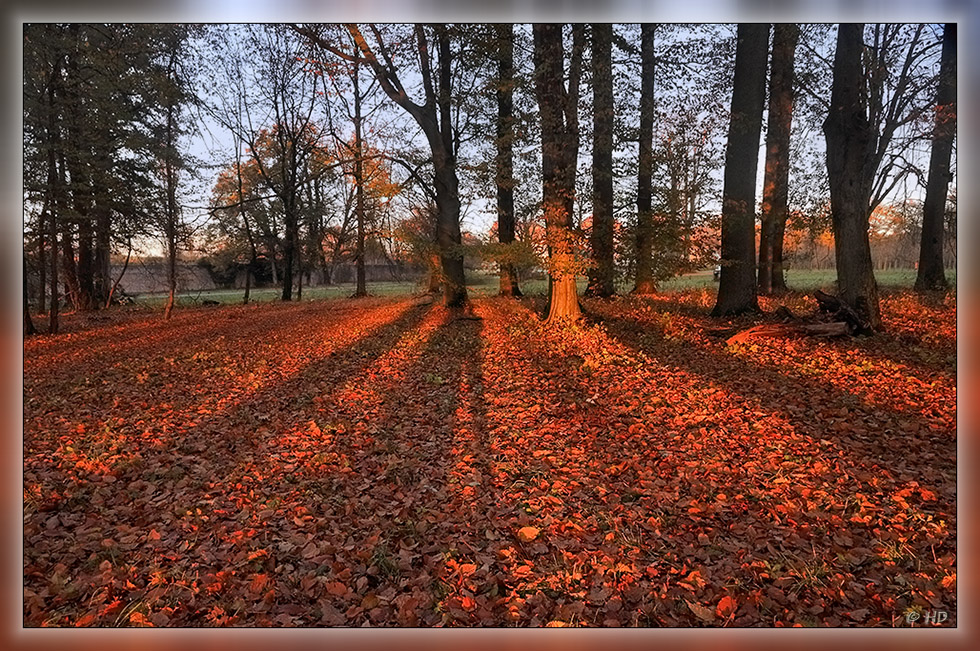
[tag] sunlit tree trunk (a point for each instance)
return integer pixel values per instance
(932, 274)
(602, 275)
(775, 187)
(556, 157)
(849, 134)
(645, 282)
(737, 290)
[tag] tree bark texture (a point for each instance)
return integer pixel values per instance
(737, 289)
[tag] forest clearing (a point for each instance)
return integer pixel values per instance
(560, 324)
(385, 462)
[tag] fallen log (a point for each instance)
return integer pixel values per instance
(840, 310)
(833, 329)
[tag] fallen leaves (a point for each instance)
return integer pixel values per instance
(343, 464)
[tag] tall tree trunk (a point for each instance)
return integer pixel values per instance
(28, 323)
(645, 282)
(737, 290)
(42, 276)
(172, 217)
(103, 248)
(602, 275)
(932, 274)
(288, 251)
(54, 201)
(849, 136)
(505, 154)
(77, 168)
(434, 117)
(557, 154)
(68, 264)
(448, 233)
(775, 187)
(361, 288)
(86, 284)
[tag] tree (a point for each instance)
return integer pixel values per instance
(173, 94)
(435, 117)
(737, 290)
(775, 186)
(931, 273)
(849, 139)
(645, 282)
(505, 153)
(558, 107)
(602, 274)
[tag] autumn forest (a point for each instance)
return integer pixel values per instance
(489, 325)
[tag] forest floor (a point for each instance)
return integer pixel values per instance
(381, 462)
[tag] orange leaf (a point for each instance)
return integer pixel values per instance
(726, 607)
(258, 582)
(527, 534)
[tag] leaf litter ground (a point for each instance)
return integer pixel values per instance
(378, 462)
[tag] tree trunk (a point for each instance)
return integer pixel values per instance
(42, 275)
(557, 154)
(448, 234)
(775, 186)
(505, 154)
(602, 275)
(737, 290)
(172, 216)
(68, 265)
(248, 282)
(28, 323)
(645, 282)
(288, 250)
(932, 274)
(54, 202)
(103, 246)
(112, 290)
(849, 136)
(361, 288)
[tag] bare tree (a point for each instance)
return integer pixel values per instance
(434, 116)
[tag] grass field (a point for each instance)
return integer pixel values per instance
(486, 284)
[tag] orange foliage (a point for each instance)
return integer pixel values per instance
(380, 462)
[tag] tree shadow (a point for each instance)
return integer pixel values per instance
(218, 471)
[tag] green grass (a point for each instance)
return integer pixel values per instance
(266, 294)
(481, 283)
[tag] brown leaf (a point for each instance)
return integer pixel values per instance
(704, 614)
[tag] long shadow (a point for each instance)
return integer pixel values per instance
(757, 381)
(174, 489)
(715, 452)
(142, 401)
(896, 344)
(155, 337)
(873, 445)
